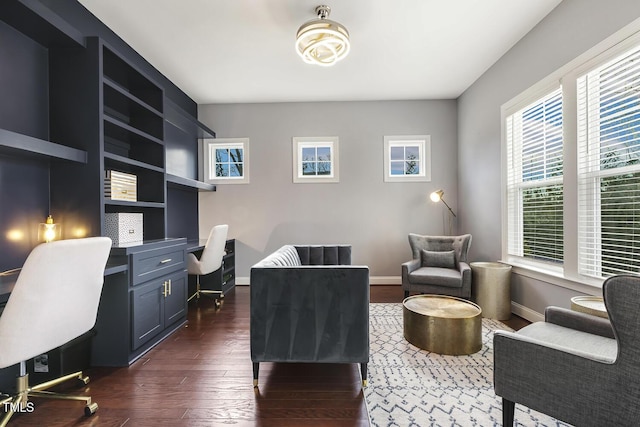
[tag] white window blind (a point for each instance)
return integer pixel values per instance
(609, 167)
(534, 180)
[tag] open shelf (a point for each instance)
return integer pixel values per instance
(185, 122)
(16, 143)
(39, 23)
(109, 202)
(189, 183)
(132, 163)
(128, 79)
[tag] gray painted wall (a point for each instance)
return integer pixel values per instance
(361, 210)
(571, 29)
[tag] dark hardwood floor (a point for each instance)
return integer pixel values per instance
(202, 376)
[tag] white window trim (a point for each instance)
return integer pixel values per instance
(298, 143)
(208, 150)
(566, 276)
(424, 147)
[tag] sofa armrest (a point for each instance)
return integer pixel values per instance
(579, 321)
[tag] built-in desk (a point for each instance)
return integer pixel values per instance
(143, 304)
(71, 357)
(196, 245)
(7, 281)
(8, 278)
(144, 297)
(221, 280)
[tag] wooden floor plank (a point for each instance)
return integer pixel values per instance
(202, 376)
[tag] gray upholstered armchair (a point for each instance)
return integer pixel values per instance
(439, 266)
(578, 368)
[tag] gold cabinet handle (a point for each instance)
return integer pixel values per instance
(164, 261)
(169, 286)
(164, 291)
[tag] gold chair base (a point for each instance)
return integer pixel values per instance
(19, 401)
(199, 291)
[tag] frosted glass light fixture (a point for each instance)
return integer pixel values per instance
(322, 41)
(49, 231)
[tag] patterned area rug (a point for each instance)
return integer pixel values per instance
(413, 387)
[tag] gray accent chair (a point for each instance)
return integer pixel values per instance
(439, 266)
(577, 368)
(309, 305)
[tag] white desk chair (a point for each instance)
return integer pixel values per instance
(210, 260)
(55, 299)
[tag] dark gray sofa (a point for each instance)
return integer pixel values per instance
(309, 304)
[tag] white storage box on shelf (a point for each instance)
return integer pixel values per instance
(120, 186)
(123, 227)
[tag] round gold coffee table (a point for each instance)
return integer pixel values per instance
(442, 324)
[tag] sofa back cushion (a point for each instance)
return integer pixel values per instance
(324, 255)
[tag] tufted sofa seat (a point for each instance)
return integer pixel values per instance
(309, 304)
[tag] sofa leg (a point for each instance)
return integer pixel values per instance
(508, 410)
(406, 294)
(256, 367)
(363, 372)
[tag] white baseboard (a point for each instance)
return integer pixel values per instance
(385, 280)
(373, 280)
(526, 312)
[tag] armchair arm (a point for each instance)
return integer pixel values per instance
(504, 339)
(579, 321)
(465, 272)
(408, 267)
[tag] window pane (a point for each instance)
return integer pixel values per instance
(236, 155)
(308, 154)
(222, 169)
(222, 155)
(324, 168)
(609, 167)
(308, 168)
(412, 153)
(235, 169)
(397, 168)
(397, 153)
(542, 223)
(412, 167)
(534, 172)
(324, 154)
(620, 219)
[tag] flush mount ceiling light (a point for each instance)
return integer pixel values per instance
(322, 41)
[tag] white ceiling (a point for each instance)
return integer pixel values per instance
(239, 51)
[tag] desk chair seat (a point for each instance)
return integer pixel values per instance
(210, 260)
(55, 299)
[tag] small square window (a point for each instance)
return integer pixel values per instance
(226, 160)
(315, 159)
(407, 158)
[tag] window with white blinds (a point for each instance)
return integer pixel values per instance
(608, 99)
(534, 180)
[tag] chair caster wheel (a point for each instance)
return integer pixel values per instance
(90, 409)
